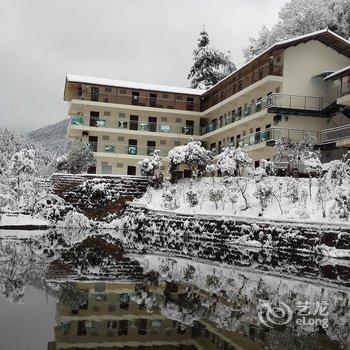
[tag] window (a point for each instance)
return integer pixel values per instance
(105, 137)
(179, 97)
(256, 164)
(163, 142)
(165, 96)
(108, 89)
(164, 119)
(121, 115)
(178, 120)
(120, 165)
(107, 113)
(277, 90)
(120, 138)
(122, 91)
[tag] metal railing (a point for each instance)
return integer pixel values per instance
(121, 148)
(242, 83)
(240, 113)
(162, 127)
(139, 101)
(295, 102)
(271, 134)
(334, 134)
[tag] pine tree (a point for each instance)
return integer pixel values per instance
(210, 65)
(300, 17)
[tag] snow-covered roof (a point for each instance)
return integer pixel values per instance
(337, 42)
(287, 43)
(337, 73)
(132, 85)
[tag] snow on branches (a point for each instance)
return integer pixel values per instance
(210, 65)
(233, 161)
(78, 160)
(193, 155)
(149, 166)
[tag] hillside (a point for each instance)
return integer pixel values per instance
(52, 137)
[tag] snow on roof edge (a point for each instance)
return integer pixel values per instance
(337, 72)
(130, 84)
(326, 30)
(198, 92)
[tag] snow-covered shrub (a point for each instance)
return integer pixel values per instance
(78, 160)
(216, 195)
(341, 208)
(297, 152)
(233, 161)
(170, 199)
(258, 174)
(292, 190)
(211, 169)
(337, 173)
(193, 155)
(263, 194)
(75, 220)
(192, 198)
(52, 208)
(149, 166)
(232, 197)
(269, 167)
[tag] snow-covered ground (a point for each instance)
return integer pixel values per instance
(286, 199)
(22, 220)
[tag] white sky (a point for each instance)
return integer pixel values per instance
(140, 40)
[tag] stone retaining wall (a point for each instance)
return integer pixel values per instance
(123, 189)
(212, 236)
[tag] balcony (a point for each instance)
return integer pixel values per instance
(242, 83)
(339, 136)
(269, 136)
(241, 113)
(323, 106)
(161, 127)
(131, 150)
(133, 100)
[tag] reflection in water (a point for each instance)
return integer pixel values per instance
(109, 298)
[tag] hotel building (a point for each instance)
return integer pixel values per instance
(294, 87)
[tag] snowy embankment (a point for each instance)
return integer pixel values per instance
(14, 220)
(275, 198)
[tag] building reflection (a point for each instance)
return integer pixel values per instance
(123, 316)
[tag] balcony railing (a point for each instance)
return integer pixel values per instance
(334, 134)
(120, 148)
(241, 113)
(161, 127)
(139, 101)
(271, 134)
(244, 82)
(295, 102)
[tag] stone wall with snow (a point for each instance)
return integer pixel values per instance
(97, 196)
(213, 237)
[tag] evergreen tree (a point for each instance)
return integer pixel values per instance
(210, 65)
(300, 17)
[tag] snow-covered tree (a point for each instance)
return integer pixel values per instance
(216, 195)
(300, 17)
(298, 152)
(78, 160)
(22, 164)
(233, 161)
(149, 166)
(210, 65)
(193, 155)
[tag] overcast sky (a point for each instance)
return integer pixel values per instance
(141, 40)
